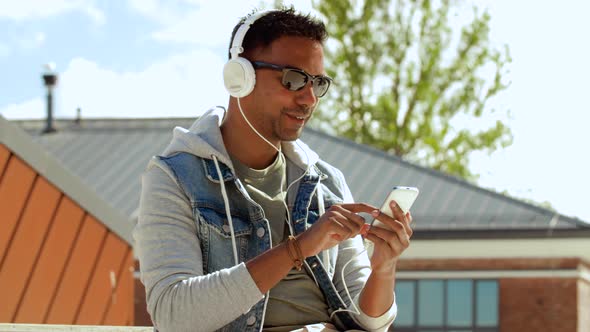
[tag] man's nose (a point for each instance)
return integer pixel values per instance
(306, 97)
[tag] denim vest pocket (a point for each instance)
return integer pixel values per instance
(314, 214)
(215, 235)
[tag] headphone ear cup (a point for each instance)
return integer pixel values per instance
(239, 77)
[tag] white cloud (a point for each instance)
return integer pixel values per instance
(95, 14)
(181, 85)
(202, 23)
(156, 10)
(34, 108)
(207, 23)
(33, 9)
(198, 27)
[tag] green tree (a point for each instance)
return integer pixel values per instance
(403, 76)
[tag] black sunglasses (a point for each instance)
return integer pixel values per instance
(295, 79)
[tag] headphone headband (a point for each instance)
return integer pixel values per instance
(236, 47)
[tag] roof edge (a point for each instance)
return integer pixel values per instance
(21, 144)
(501, 234)
(556, 216)
(449, 177)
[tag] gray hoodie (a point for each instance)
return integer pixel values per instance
(180, 296)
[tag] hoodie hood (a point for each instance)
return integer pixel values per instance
(203, 139)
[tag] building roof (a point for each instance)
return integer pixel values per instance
(57, 172)
(110, 154)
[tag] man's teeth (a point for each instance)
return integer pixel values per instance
(297, 117)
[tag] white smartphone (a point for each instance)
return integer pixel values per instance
(404, 196)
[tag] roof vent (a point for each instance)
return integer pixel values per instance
(49, 80)
(78, 118)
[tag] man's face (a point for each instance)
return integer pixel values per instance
(277, 112)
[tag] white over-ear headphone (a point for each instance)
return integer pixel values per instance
(239, 77)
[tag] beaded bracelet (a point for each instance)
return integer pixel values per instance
(295, 252)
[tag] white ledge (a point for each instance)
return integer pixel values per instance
(70, 328)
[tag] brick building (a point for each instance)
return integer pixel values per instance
(479, 261)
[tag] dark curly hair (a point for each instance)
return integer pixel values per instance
(278, 23)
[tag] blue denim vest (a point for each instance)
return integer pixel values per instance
(199, 180)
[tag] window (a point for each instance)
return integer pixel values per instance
(456, 305)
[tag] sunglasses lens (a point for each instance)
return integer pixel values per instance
(294, 80)
(320, 86)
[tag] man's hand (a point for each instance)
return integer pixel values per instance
(389, 242)
(339, 223)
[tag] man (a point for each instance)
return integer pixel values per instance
(219, 244)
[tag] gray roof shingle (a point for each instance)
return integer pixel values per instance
(110, 155)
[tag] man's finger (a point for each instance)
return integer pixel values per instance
(398, 214)
(355, 218)
(391, 236)
(359, 207)
(344, 228)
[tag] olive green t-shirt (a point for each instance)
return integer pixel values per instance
(296, 300)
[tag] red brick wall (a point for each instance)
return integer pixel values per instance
(480, 264)
(534, 305)
(528, 304)
(583, 305)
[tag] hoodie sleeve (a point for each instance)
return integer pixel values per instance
(352, 253)
(358, 268)
(179, 296)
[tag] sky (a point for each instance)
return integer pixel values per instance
(163, 58)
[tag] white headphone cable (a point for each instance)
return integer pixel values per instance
(281, 155)
(227, 211)
(279, 150)
(356, 310)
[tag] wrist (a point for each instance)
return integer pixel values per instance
(306, 249)
(384, 272)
